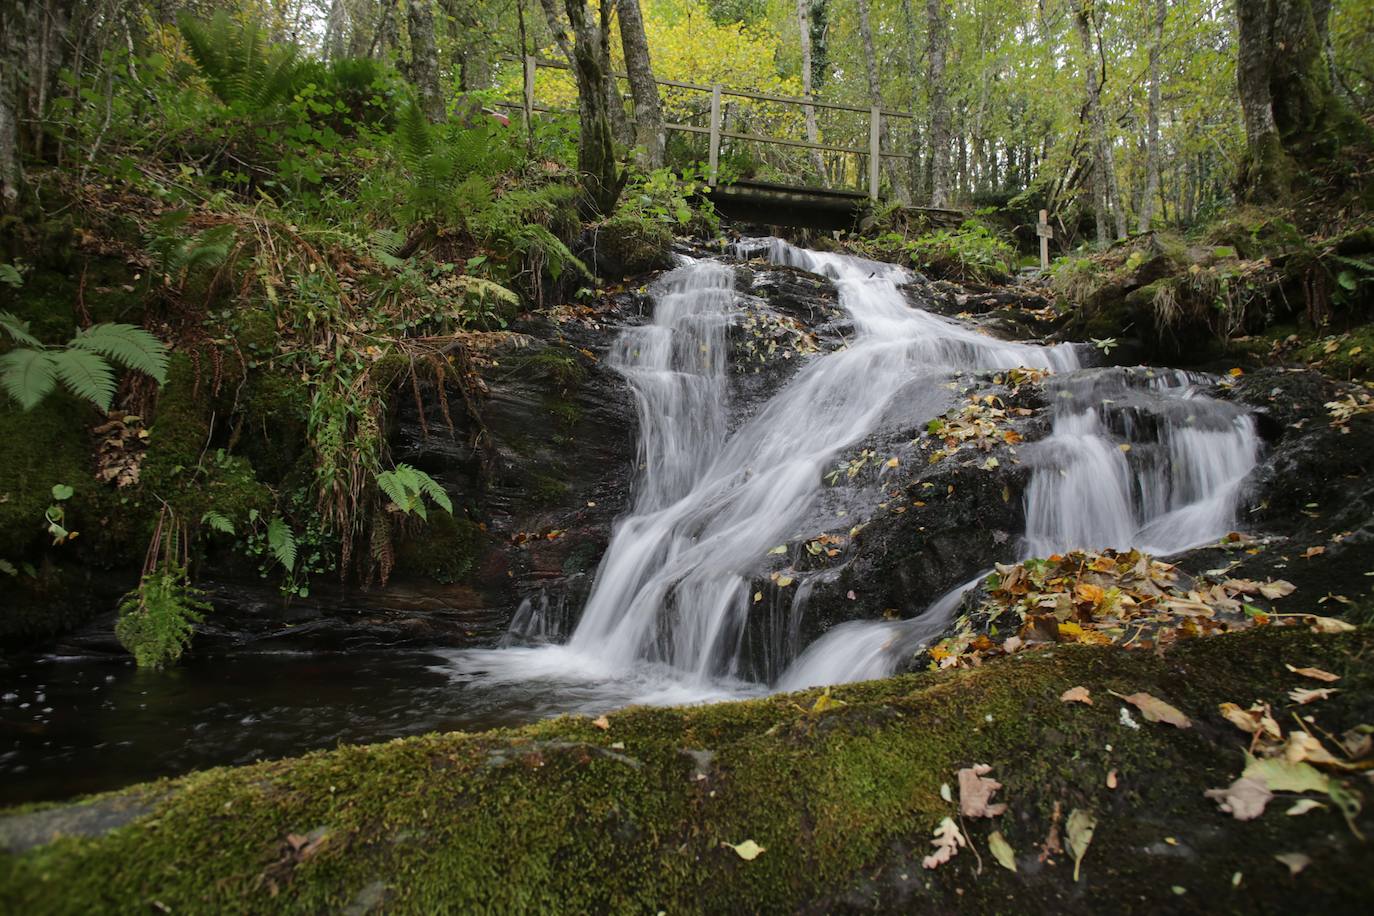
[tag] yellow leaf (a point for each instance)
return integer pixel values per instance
(758, 596)
(1002, 851)
(748, 850)
(893, 462)
(784, 581)
(1235, 373)
(1329, 625)
(602, 723)
(1156, 710)
(1081, 825)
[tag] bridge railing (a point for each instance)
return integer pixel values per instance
(717, 132)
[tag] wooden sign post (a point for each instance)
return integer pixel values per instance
(1046, 232)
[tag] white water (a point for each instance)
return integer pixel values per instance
(666, 618)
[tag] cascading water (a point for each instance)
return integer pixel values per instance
(666, 618)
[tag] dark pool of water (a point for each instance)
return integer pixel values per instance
(73, 725)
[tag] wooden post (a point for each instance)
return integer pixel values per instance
(1046, 232)
(875, 136)
(715, 133)
(531, 63)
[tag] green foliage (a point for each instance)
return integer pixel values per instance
(238, 62)
(30, 371)
(282, 542)
(157, 619)
(408, 487)
(971, 253)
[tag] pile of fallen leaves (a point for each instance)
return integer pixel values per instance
(1352, 405)
(1298, 765)
(1109, 598)
(767, 334)
(121, 443)
(981, 424)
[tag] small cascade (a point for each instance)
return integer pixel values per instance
(1135, 458)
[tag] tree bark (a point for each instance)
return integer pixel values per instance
(11, 174)
(812, 131)
(937, 46)
(1147, 201)
(917, 182)
(649, 138)
(1294, 118)
(1104, 169)
(424, 59)
(893, 167)
(600, 177)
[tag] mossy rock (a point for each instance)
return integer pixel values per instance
(627, 246)
(443, 549)
(842, 797)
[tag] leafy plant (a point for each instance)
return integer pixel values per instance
(971, 253)
(56, 516)
(238, 62)
(31, 370)
(407, 487)
(157, 619)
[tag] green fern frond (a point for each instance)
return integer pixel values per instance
(482, 288)
(390, 484)
(27, 376)
(430, 487)
(282, 543)
(129, 345)
(217, 522)
(86, 375)
(18, 330)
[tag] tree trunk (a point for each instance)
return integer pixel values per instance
(649, 137)
(918, 184)
(937, 45)
(424, 59)
(335, 29)
(893, 167)
(1147, 201)
(596, 165)
(1294, 119)
(11, 175)
(1103, 177)
(812, 132)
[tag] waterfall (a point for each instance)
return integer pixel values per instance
(666, 618)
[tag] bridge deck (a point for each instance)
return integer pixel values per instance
(811, 208)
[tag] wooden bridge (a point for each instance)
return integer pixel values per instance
(758, 201)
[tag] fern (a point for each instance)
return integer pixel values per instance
(157, 619)
(407, 487)
(30, 372)
(217, 522)
(18, 329)
(86, 375)
(27, 376)
(282, 543)
(239, 64)
(128, 345)
(482, 288)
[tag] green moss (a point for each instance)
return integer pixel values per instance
(40, 448)
(556, 363)
(569, 817)
(443, 549)
(633, 245)
(545, 488)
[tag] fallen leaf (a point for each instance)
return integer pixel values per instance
(826, 701)
(779, 550)
(1236, 372)
(976, 791)
(1080, 827)
(1255, 720)
(1311, 552)
(1304, 805)
(784, 581)
(946, 793)
(1156, 710)
(1316, 674)
(1243, 799)
(947, 841)
(1111, 779)
(893, 462)
(1076, 695)
(1002, 851)
(1280, 774)
(1303, 695)
(748, 850)
(758, 596)
(1295, 861)
(1329, 625)
(602, 723)
(1277, 588)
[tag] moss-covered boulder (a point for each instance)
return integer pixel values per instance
(654, 810)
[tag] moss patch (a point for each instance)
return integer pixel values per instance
(565, 816)
(443, 549)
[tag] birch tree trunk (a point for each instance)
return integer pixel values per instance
(1103, 177)
(424, 59)
(649, 138)
(812, 132)
(1147, 201)
(893, 167)
(918, 183)
(937, 47)
(11, 176)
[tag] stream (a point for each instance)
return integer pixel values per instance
(1134, 458)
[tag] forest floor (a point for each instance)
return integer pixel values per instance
(1227, 773)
